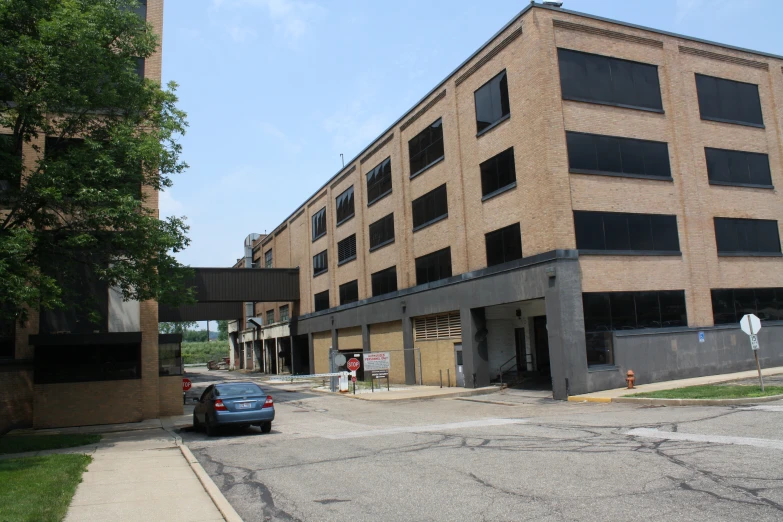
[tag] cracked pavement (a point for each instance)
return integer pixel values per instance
(514, 455)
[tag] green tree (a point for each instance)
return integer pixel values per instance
(222, 327)
(176, 328)
(68, 74)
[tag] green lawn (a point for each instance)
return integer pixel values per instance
(22, 443)
(194, 353)
(39, 488)
(713, 392)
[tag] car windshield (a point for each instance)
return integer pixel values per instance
(229, 390)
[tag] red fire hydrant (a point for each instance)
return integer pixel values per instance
(630, 379)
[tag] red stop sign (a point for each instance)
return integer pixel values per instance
(186, 384)
(353, 364)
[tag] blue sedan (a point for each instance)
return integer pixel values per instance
(239, 404)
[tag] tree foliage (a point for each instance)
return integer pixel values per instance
(222, 327)
(88, 144)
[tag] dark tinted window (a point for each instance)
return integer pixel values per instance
(613, 155)
(349, 292)
(10, 166)
(319, 223)
(504, 245)
(430, 207)
(140, 67)
(270, 316)
(728, 101)
(346, 249)
(169, 359)
(382, 232)
(239, 389)
(322, 301)
(384, 281)
(737, 167)
(729, 305)
(320, 263)
(433, 267)
(268, 259)
(601, 79)
(747, 235)
(492, 101)
(379, 181)
(284, 313)
(8, 339)
(628, 232)
(345, 208)
(87, 363)
(426, 148)
(498, 172)
(605, 312)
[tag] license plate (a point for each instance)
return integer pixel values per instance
(244, 405)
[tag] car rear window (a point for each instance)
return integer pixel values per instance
(229, 390)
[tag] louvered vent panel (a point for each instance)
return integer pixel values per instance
(444, 326)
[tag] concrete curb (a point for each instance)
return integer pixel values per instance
(649, 401)
(228, 512)
(467, 393)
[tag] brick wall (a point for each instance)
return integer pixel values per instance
(16, 398)
(387, 337)
(321, 343)
(89, 403)
(170, 395)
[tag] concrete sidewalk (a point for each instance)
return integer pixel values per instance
(610, 395)
(416, 393)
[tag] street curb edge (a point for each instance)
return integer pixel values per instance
(228, 512)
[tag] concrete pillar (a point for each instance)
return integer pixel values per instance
(277, 356)
(366, 338)
(475, 357)
(311, 350)
(409, 353)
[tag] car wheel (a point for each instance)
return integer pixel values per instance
(266, 427)
(211, 428)
(196, 423)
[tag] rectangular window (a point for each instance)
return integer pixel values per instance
(284, 313)
(504, 245)
(382, 232)
(433, 267)
(596, 154)
(498, 173)
(349, 292)
(169, 359)
(384, 282)
(319, 224)
(270, 316)
(346, 249)
(605, 312)
(624, 232)
(141, 10)
(492, 102)
(612, 81)
(320, 263)
(429, 208)
(426, 148)
(747, 236)
(443, 326)
(729, 101)
(8, 339)
(87, 363)
(322, 301)
(140, 67)
(10, 167)
(379, 182)
(345, 210)
(729, 305)
(268, 259)
(736, 167)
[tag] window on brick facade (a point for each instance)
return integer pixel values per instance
(433, 267)
(379, 182)
(10, 168)
(624, 232)
(141, 66)
(729, 305)
(345, 207)
(349, 292)
(270, 316)
(612, 81)
(382, 232)
(319, 224)
(169, 359)
(747, 236)
(426, 148)
(736, 167)
(87, 363)
(320, 263)
(284, 313)
(595, 154)
(322, 301)
(385, 281)
(498, 173)
(605, 312)
(7, 339)
(729, 101)
(504, 245)
(268, 259)
(346, 249)
(431, 207)
(492, 102)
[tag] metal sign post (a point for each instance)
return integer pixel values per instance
(751, 325)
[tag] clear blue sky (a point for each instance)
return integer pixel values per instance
(275, 90)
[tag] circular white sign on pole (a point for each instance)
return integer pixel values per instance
(339, 359)
(750, 324)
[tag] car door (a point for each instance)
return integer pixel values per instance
(203, 402)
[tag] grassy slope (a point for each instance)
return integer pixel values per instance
(22, 443)
(202, 352)
(712, 392)
(39, 488)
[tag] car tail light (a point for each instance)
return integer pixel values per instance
(219, 406)
(269, 402)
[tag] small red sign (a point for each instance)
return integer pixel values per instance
(186, 384)
(353, 364)
(353, 378)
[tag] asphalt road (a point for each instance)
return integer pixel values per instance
(527, 458)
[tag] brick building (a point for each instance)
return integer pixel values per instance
(52, 369)
(580, 197)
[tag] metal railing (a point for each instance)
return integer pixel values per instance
(501, 371)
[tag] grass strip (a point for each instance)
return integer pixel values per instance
(713, 391)
(22, 443)
(39, 488)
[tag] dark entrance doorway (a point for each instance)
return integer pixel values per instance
(521, 350)
(541, 336)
